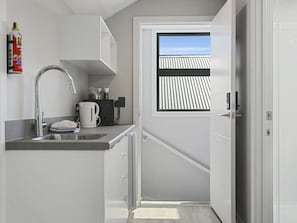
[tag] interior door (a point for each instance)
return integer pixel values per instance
(222, 145)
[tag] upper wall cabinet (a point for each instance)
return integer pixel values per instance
(86, 41)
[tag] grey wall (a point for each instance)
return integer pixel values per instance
(121, 26)
(243, 126)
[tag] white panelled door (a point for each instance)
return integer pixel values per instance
(222, 145)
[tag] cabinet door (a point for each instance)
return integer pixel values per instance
(124, 177)
(116, 183)
(59, 186)
(87, 43)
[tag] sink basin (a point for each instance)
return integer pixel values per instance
(70, 136)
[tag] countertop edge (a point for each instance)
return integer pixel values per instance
(113, 137)
(118, 138)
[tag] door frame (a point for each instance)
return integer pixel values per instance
(259, 94)
(139, 23)
(264, 67)
(257, 125)
(271, 177)
(3, 99)
(268, 101)
(261, 40)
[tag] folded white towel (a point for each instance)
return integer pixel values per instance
(64, 125)
(75, 130)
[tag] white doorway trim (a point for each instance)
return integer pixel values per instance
(3, 98)
(138, 25)
(265, 10)
(261, 18)
(268, 106)
(271, 149)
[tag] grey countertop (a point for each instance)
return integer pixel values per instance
(113, 135)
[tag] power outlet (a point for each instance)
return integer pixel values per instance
(120, 103)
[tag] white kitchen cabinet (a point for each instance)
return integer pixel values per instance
(64, 186)
(116, 183)
(86, 42)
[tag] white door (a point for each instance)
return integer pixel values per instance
(222, 145)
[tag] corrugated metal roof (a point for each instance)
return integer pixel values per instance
(184, 93)
(184, 62)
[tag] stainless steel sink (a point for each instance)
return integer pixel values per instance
(70, 136)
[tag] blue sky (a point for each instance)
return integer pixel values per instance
(184, 45)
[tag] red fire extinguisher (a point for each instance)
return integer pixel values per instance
(15, 51)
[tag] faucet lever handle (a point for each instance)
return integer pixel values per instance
(44, 124)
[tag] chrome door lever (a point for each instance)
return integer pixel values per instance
(226, 115)
(229, 115)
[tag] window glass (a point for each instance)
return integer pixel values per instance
(183, 72)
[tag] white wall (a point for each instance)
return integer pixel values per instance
(3, 17)
(39, 27)
(121, 26)
(178, 180)
(285, 89)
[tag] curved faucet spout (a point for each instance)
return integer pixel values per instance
(38, 117)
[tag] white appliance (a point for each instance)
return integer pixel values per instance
(89, 114)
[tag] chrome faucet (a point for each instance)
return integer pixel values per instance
(38, 117)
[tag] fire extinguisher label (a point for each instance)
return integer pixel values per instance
(15, 53)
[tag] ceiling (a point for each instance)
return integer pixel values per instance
(104, 8)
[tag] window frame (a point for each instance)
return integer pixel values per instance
(190, 72)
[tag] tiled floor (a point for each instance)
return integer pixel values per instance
(173, 214)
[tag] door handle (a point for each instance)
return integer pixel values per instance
(229, 115)
(226, 115)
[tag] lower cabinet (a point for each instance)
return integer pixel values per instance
(116, 183)
(78, 186)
